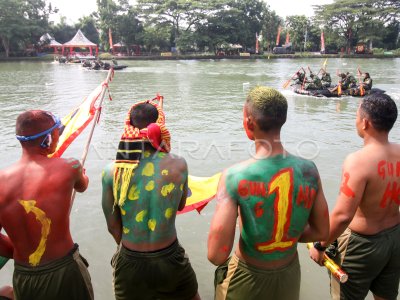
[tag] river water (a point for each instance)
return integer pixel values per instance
(203, 105)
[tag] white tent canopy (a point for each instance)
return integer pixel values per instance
(80, 40)
(49, 40)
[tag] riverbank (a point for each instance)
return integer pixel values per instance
(168, 56)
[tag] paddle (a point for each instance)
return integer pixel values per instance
(362, 91)
(323, 67)
(339, 86)
(333, 267)
(285, 85)
(305, 77)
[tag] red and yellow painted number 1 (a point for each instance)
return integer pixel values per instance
(282, 185)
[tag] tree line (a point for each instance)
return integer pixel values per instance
(205, 25)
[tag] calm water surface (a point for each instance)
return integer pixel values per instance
(203, 105)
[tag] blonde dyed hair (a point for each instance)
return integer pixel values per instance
(268, 107)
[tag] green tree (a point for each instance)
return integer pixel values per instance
(249, 15)
(22, 22)
(180, 15)
(107, 15)
(156, 37)
(61, 31)
(88, 26)
(355, 19)
(129, 29)
(297, 27)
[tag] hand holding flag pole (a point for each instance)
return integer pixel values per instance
(75, 122)
(97, 114)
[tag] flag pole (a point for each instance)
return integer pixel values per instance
(4, 260)
(95, 120)
(97, 115)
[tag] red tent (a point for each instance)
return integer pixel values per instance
(80, 40)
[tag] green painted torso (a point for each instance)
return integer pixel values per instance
(275, 197)
(149, 211)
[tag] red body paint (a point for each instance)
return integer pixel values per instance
(306, 196)
(386, 168)
(224, 248)
(258, 210)
(392, 193)
(248, 188)
(345, 189)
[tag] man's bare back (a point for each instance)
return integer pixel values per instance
(170, 185)
(379, 205)
(35, 201)
(35, 192)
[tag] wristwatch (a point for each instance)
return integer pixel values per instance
(319, 247)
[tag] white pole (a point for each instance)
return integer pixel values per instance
(95, 119)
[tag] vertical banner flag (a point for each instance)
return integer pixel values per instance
(322, 42)
(287, 38)
(278, 36)
(256, 43)
(110, 40)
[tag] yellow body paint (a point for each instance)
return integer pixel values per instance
(29, 206)
(166, 189)
(140, 216)
(148, 170)
(134, 193)
(152, 224)
(123, 212)
(169, 212)
(150, 186)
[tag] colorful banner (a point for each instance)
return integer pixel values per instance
(76, 121)
(110, 39)
(287, 38)
(201, 191)
(256, 43)
(322, 42)
(278, 36)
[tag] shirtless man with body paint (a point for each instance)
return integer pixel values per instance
(6, 252)
(278, 200)
(35, 203)
(142, 192)
(366, 217)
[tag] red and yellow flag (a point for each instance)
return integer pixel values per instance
(201, 191)
(76, 121)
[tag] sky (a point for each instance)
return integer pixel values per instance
(75, 9)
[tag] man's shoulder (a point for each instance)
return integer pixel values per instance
(67, 164)
(177, 160)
